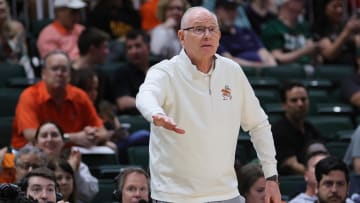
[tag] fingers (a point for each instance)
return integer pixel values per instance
(167, 123)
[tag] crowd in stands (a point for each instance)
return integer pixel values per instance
(95, 55)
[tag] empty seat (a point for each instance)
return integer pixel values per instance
(134, 122)
(8, 71)
(250, 71)
(285, 72)
(333, 72)
(337, 149)
(105, 194)
(5, 131)
(139, 155)
(264, 83)
(334, 109)
(328, 125)
(267, 96)
(291, 185)
(8, 100)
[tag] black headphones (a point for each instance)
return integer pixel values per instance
(119, 181)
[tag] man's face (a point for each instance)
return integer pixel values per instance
(56, 73)
(333, 187)
(296, 105)
(68, 17)
(310, 171)
(137, 51)
(226, 16)
(41, 189)
(135, 188)
(26, 163)
(197, 45)
(100, 52)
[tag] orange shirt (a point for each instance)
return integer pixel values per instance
(148, 15)
(36, 106)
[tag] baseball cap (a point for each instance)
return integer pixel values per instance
(73, 4)
(226, 3)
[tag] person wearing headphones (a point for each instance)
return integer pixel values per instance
(132, 186)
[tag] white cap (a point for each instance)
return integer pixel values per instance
(73, 4)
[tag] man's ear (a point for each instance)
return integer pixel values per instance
(181, 36)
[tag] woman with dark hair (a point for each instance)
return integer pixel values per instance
(50, 139)
(338, 37)
(252, 183)
(65, 178)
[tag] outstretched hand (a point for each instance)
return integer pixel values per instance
(167, 123)
(272, 192)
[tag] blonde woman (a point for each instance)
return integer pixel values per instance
(164, 40)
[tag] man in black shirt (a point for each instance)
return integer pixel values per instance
(292, 134)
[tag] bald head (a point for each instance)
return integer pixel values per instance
(193, 13)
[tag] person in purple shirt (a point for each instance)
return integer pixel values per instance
(240, 44)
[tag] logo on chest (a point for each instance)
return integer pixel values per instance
(226, 93)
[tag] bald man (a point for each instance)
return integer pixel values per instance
(196, 102)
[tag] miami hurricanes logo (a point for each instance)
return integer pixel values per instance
(226, 93)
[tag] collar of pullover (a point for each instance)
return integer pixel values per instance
(191, 69)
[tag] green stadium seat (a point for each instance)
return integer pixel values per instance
(328, 125)
(8, 101)
(94, 159)
(5, 130)
(139, 155)
(285, 72)
(8, 71)
(317, 84)
(334, 109)
(274, 108)
(134, 122)
(105, 194)
(337, 149)
(21, 82)
(291, 185)
(333, 72)
(267, 96)
(264, 83)
(250, 71)
(245, 151)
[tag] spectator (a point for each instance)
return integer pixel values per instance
(128, 79)
(132, 185)
(164, 40)
(40, 184)
(93, 47)
(252, 183)
(65, 179)
(332, 178)
(239, 44)
(292, 134)
(50, 139)
(115, 17)
(338, 37)
(64, 32)
(148, 15)
(56, 100)
(288, 40)
(27, 159)
(309, 196)
(13, 48)
(259, 12)
(350, 89)
(352, 155)
(188, 95)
